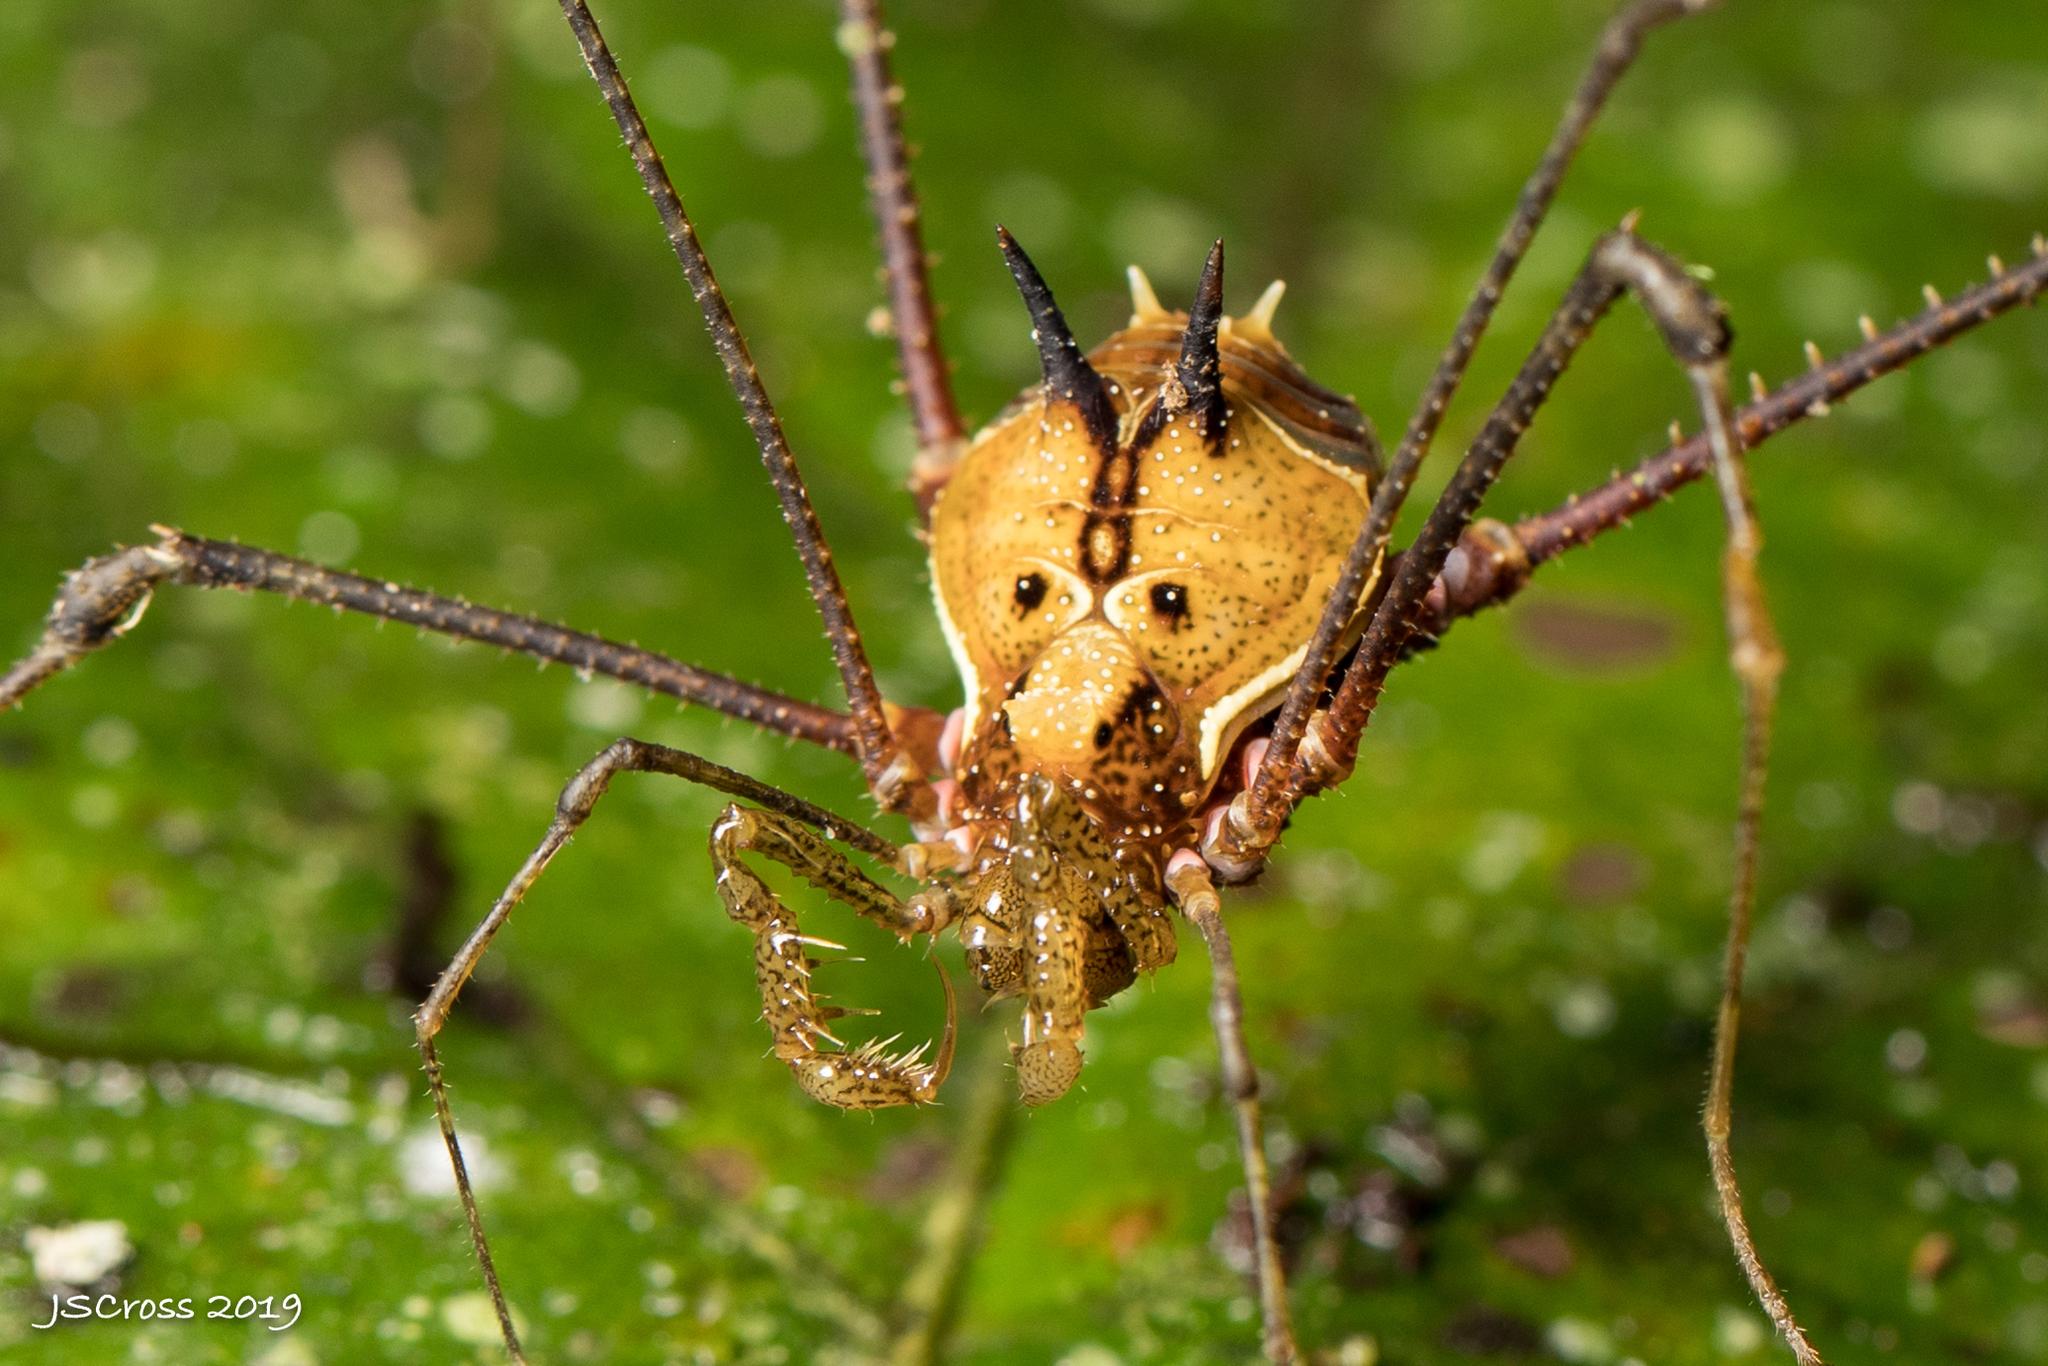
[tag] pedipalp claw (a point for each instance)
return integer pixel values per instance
(943, 1063)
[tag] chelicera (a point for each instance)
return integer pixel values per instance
(1164, 573)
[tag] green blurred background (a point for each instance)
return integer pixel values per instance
(374, 283)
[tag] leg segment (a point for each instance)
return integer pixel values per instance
(1270, 797)
(579, 798)
(98, 605)
(892, 198)
(1493, 562)
(895, 778)
(1754, 655)
(1188, 878)
(102, 600)
(1695, 330)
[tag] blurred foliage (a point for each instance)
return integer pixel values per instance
(374, 282)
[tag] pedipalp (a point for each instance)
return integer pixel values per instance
(863, 1078)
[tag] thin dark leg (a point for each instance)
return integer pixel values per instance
(1493, 562)
(1189, 882)
(895, 778)
(579, 798)
(1695, 330)
(1696, 333)
(1255, 823)
(102, 600)
(892, 198)
(814, 1287)
(437, 1087)
(1757, 661)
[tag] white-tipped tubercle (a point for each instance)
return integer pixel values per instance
(1268, 304)
(1144, 303)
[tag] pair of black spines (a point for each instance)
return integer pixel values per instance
(1069, 376)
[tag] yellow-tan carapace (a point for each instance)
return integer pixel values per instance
(1126, 588)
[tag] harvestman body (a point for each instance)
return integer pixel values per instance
(1164, 576)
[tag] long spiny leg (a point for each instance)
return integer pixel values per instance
(1696, 333)
(579, 798)
(1188, 879)
(1493, 562)
(1255, 816)
(1545, 536)
(894, 776)
(1694, 328)
(102, 600)
(1691, 322)
(1755, 656)
(892, 198)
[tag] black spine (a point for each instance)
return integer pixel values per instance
(1201, 364)
(1195, 392)
(1068, 375)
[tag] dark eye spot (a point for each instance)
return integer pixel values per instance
(1030, 591)
(1103, 735)
(1170, 600)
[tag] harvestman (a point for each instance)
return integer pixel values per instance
(1057, 871)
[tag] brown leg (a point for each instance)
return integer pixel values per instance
(1189, 882)
(102, 600)
(895, 778)
(437, 1087)
(1695, 330)
(1757, 660)
(579, 798)
(892, 198)
(1269, 800)
(1474, 583)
